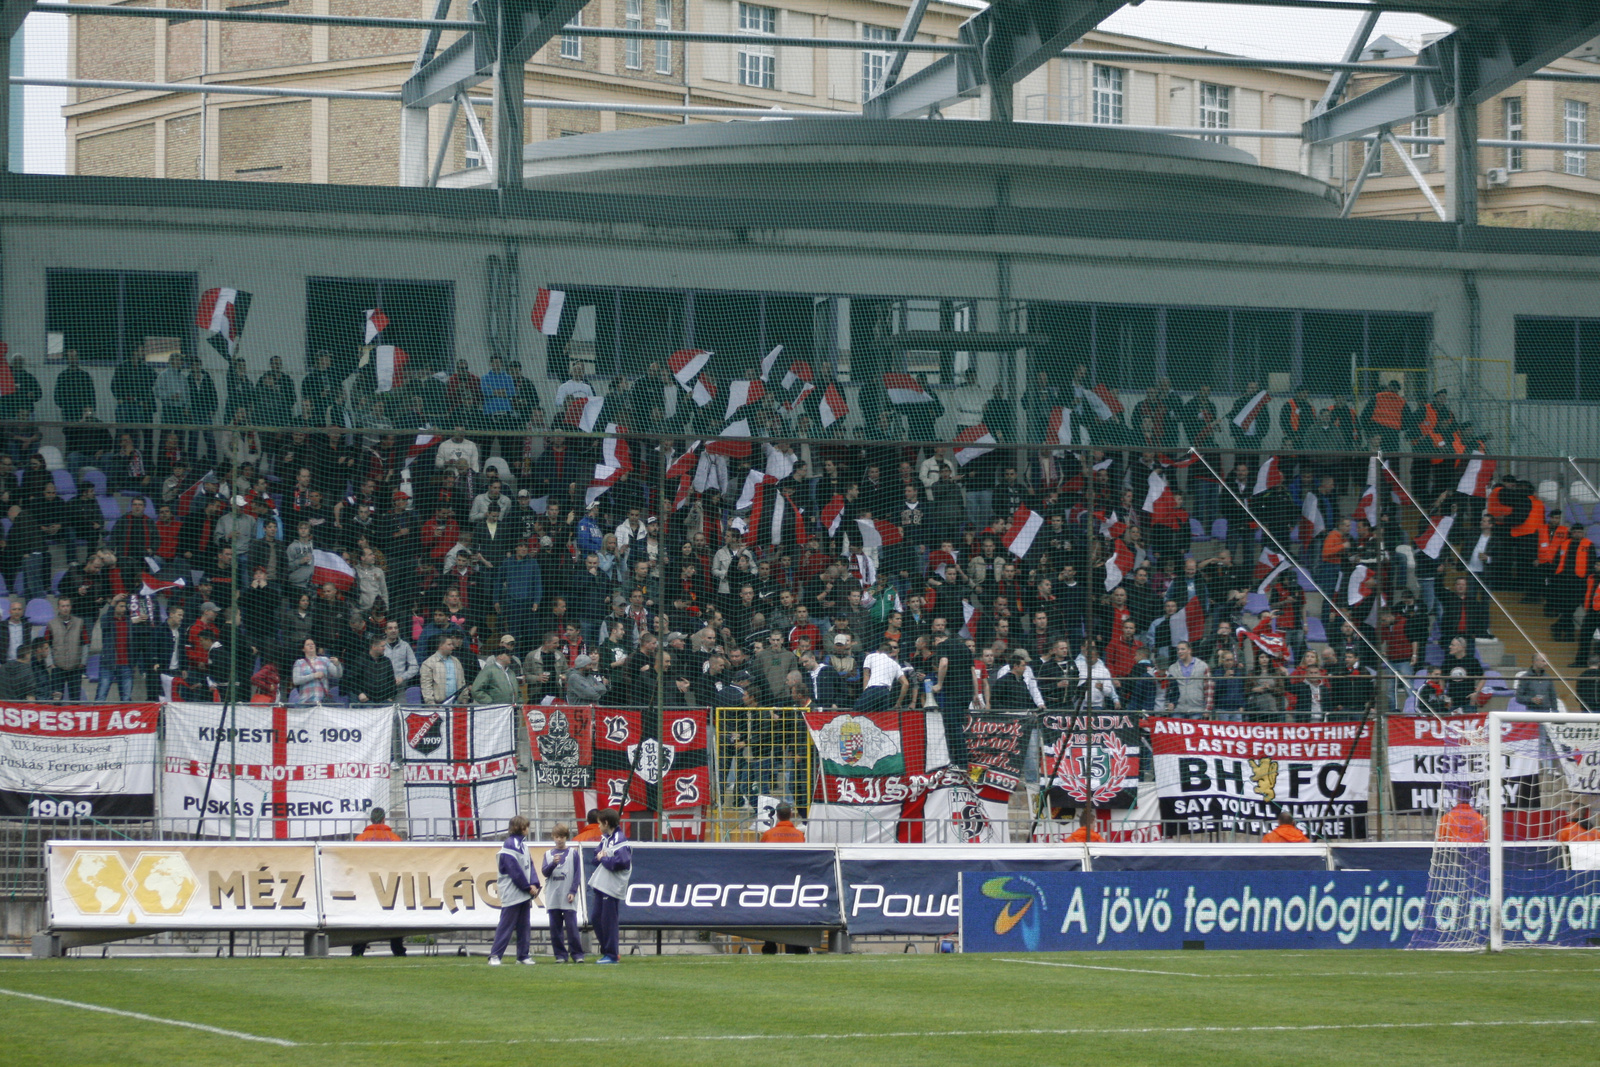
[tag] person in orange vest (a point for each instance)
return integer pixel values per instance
(591, 830)
(1082, 834)
(1573, 563)
(784, 830)
(1462, 824)
(378, 830)
(1577, 823)
(1385, 416)
(1286, 832)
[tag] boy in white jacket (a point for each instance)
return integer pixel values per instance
(560, 870)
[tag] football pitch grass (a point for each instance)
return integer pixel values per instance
(1188, 1008)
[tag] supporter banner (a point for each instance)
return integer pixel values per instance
(887, 893)
(87, 762)
(461, 769)
(1140, 824)
(375, 885)
(1159, 910)
(168, 886)
(649, 761)
(309, 770)
(874, 757)
(1577, 746)
(1433, 757)
(1238, 776)
(957, 812)
(1101, 764)
(561, 740)
(997, 743)
(728, 886)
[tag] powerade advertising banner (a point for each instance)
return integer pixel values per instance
(728, 885)
(84, 762)
(1237, 776)
(1158, 910)
(888, 892)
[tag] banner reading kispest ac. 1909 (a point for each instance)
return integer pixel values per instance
(86, 762)
(1238, 776)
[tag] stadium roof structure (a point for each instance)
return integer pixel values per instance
(1495, 44)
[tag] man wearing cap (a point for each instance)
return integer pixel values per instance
(584, 684)
(496, 684)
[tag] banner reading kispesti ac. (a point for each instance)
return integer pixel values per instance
(1237, 776)
(84, 762)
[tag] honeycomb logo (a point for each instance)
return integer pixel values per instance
(96, 883)
(162, 883)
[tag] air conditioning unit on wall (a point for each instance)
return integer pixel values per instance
(1497, 176)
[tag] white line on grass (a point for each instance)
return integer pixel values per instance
(624, 1039)
(1125, 970)
(240, 1034)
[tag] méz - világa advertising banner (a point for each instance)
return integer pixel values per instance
(417, 886)
(85, 762)
(728, 885)
(1159, 910)
(1239, 775)
(166, 885)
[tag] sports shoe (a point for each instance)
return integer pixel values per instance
(606, 959)
(494, 961)
(529, 961)
(576, 959)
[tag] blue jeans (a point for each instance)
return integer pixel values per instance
(875, 698)
(118, 678)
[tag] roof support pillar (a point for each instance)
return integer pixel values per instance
(1461, 173)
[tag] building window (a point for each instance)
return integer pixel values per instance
(633, 47)
(1105, 99)
(758, 64)
(571, 45)
(1215, 106)
(1422, 126)
(874, 65)
(421, 320)
(663, 48)
(1559, 358)
(106, 315)
(1513, 110)
(1577, 132)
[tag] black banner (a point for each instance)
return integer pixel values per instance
(997, 743)
(1101, 765)
(723, 886)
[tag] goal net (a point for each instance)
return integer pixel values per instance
(1516, 859)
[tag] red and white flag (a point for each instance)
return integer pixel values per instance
(941, 560)
(331, 567)
(799, 373)
(1025, 526)
(770, 359)
(1368, 506)
(1189, 622)
(704, 391)
(1268, 475)
(1102, 400)
(904, 389)
(1118, 564)
(832, 408)
(615, 462)
(1265, 639)
(376, 322)
(743, 392)
(875, 533)
(733, 441)
(222, 311)
(1112, 527)
(1060, 428)
(8, 384)
(423, 442)
(1274, 565)
(1104, 464)
(1363, 581)
(752, 484)
(970, 614)
(583, 412)
(1312, 524)
(389, 364)
(154, 586)
(1477, 477)
(833, 514)
(686, 365)
(1432, 540)
(970, 442)
(547, 307)
(684, 464)
(186, 498)
(1253, 408)
(1157, 497)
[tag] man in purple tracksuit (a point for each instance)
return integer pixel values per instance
(614, 857)
(517, 886)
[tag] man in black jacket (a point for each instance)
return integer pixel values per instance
(370, 676)
(823, 680)
(1462, 613)
(18, 680)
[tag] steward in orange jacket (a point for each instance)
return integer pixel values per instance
(1462, 823)
(1285, 833)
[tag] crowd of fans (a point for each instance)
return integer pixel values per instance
(445, 537)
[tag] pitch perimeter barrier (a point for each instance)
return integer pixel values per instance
(102, 891)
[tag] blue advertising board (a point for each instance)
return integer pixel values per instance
(896, 890)
(1052, 912)
(727, 886)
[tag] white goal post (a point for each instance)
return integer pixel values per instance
(1496, 802)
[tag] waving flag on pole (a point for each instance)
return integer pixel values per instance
(832, 408)
(1060, 428)
(752, 483)
(186, 498)
(768, 361)
(331, 567)
(1253, 408)
(376, 322)
(615, 462)
(583, 412)
(1102, 400)
(941, 560)
(686, 365)
(875, 533)
(222, 312)
(423, 442)
(1112, 527)
(154, 586)
(733, 441)
(1433, 539)
(1268, 476)
(1477, 477)
(1368, 507)
(1158, 497)
(1118, 564)
(1025, 526)
(970, 442)
(1189, 623)
(704, 391)
(1360, 585)
(833, 514)
(743, 392)
(1265, 639)
(902, 388)
(799, 373)
(1274, 565)
(969, 621)
(1312, 524)
(547, 306)
(389, 365)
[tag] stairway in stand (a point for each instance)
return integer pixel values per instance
(1532, 619)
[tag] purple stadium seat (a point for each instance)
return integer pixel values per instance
(1593, 532)
(1256, 603)
(96, 476)
(1219, 529)
(1303, 576)
(66, 485)
(40, 611)
(111, 509)
(1197, 531)
(1578, 513)
(414, 694)
(1315, 631)
(55, 580)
